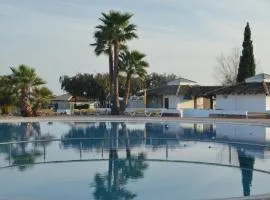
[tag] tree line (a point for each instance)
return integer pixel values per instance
(97, 86)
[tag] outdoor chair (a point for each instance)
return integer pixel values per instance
(140, 112)
(156, 112)
(102, 111)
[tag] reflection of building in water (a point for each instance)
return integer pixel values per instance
(83, 125)
(246, 134)
(243, 132)
(180, 130)
(243, 136)
(160, 134)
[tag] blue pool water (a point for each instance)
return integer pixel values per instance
(117, 160)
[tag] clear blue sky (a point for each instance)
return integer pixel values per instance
(178, 36)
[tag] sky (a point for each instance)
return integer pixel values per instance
(178, 36)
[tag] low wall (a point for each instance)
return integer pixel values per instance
(186, 113)
(213, 113)
(195, 113)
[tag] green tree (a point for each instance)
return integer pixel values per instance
(103, 80)
(132, 63)
(138, 84)
(83, 85)
(247, 63)
(25, 79)
(155, 80)
(114, 31)
(41, 98)
(8, 94)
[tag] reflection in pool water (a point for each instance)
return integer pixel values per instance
(132, 151)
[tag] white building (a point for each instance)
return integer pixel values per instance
(66, 103)
(251, 95)
(180, 94)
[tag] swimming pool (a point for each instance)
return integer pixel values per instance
(132, 160)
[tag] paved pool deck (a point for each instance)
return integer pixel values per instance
(93, 118)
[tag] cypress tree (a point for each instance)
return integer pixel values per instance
(247, 63)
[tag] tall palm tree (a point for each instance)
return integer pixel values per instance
(41, 96)
(115, 30)
(25, 78)
(132, 63)
(103, 46)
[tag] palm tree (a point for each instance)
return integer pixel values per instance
(114, 31)
(105, 47)
(8, 94)
(132, 63)
(41, 96)
(24, 79)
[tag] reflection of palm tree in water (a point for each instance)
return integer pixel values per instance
(24, 154)
(246, 164)
(19, 154)
(120, 170)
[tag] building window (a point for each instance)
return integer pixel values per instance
(187, 97)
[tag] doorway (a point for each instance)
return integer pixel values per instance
(166, 103)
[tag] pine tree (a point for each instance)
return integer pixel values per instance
(247, 63)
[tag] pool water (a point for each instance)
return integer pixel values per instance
(117, 160)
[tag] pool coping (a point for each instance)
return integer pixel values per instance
(253, 197)
(13, 119)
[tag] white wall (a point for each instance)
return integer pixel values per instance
(251, 103)
(136, 103)
(267, 103)
(267, 133)
(173, 101)
(208, 112)
(195, 113)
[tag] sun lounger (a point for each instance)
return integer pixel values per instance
(144, 112)
(156, 112)
(103, 111)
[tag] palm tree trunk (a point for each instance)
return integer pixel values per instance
(116, 104)
(26, 107)
(127, 89)
(110, 170)
(111, 73)
(127, 140)
(36, 108)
